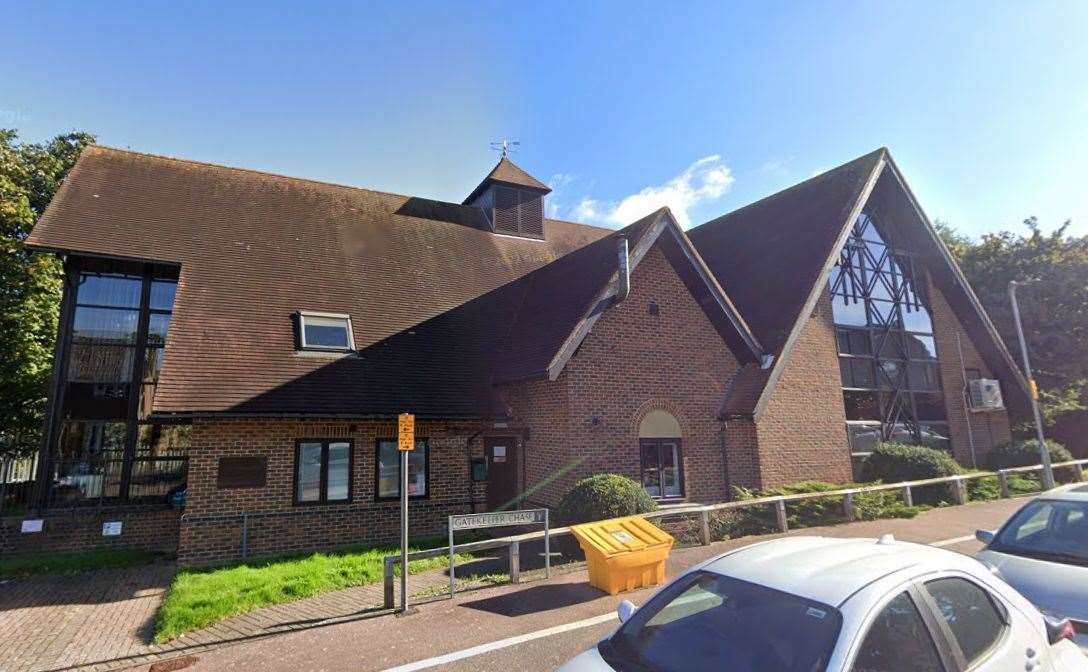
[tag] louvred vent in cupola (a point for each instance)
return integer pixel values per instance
(518, 212)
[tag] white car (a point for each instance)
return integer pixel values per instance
(810, 604)
(1042, 551)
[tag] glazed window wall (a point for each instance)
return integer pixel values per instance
(107, 446)
(887, 354)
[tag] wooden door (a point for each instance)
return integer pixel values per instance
(502, 458)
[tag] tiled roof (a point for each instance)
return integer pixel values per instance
(508, 172)
(254, 248)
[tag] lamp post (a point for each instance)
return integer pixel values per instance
(1033, 389)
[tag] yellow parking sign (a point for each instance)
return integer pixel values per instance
(406, 432)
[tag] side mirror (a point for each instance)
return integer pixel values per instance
(985, 536)
(626, 610)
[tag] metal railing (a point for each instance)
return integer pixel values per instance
(87, 482)
(958, 489)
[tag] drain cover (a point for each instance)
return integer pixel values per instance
(173, 664)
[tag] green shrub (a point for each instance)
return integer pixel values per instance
(897, 462)
(809, 512)
(601, 497)
(989, 487)
(1026, 453)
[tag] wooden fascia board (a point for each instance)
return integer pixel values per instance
(779, 366)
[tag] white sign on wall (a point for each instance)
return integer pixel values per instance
(31, 526)
(111, 529)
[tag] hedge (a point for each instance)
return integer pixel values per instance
(601, 497)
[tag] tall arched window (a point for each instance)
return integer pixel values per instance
(662, 461)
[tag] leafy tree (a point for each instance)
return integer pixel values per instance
(30, 285)
(1054, 310)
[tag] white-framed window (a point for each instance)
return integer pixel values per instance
(325, 331)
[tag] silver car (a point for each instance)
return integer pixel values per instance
(1042, 551)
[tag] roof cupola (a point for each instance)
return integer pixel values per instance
(512, 199)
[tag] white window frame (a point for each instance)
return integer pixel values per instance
(303, 314)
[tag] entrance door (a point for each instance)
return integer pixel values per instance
(662, 475)
(502, 457)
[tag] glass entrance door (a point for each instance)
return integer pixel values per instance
(662, 475)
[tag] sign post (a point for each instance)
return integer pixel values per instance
(406, 442)
(476, 521)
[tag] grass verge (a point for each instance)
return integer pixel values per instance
(72, 563)
(199, 598)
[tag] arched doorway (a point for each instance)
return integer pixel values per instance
(661, 457)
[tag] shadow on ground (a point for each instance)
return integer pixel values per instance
(537, 599)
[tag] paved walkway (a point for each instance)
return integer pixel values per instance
(104, 620)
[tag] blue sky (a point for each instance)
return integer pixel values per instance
(623, 106)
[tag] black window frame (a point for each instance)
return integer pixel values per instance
(679, 467)
(378, 497)
(324, 500)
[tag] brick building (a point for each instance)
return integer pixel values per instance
(239, 344)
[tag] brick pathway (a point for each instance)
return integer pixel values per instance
(104, 620)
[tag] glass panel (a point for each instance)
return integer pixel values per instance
(159, 440)
(923, 376)
(100, 363)
(153, 361)
(856, 372)
(651, 474)
(339, 471)
(162, 294)
(917, 319)
(326, 332)
(921, 347)
(930, 406)
(890, 373)
(890, 344)
(670, 470)
(308, 478)
(861, 405)
(417, 471)
(969, 613)
(105, 325)
(900, 432)
(883, 313)
(109, 290)
(158, 325)
(157, 477)
(881, 287)
(708, 621)
(854, 342)
(898, 641)
(1056, 531)
(935, 436)
(388, 469)
(863, 438)
(91, 440)
(848, 312)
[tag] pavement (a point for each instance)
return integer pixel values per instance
(531, 626)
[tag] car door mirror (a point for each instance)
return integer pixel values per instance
(626, 610)
(985, 536)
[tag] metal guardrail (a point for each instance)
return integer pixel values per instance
(513, 543)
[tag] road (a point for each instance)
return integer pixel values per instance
(535, 626)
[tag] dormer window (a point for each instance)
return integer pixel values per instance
(325, 331)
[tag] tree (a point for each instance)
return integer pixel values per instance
(1054, 310)
(30, 284)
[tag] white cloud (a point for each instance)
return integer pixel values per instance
(706, 180)
(777, 167)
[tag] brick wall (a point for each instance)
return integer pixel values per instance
(631, 363)
(990, 428)
(81, 530)
(802, 430)
(211, 529)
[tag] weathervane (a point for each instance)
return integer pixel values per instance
(506, 146)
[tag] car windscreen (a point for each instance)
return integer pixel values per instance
(1047, 529)
(708, 621)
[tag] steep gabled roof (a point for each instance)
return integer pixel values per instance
(773, 258)
(508, 172)
(254, 248)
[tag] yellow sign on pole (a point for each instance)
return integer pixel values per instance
(406, 432)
